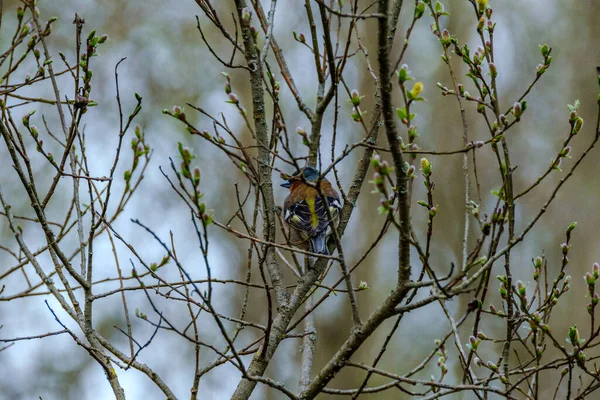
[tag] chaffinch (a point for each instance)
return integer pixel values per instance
(307, 222)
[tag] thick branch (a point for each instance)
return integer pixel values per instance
(261, 359)
(385, 86)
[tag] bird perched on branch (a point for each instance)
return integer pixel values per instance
(305, 213)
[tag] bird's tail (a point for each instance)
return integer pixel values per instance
(318, 244)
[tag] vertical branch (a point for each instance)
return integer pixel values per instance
(269, 35)
(76, 202)
(264, 154)
(260, 360)
(317, 120)
(308, 345)
(323, 99)
(465, 165)
(385, 86)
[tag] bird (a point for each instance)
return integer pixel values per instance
(305, 216)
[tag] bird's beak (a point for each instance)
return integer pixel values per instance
(286, 184)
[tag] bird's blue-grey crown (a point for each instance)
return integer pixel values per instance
(309, 173)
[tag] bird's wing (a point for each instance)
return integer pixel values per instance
(306, 212)
(300, 216)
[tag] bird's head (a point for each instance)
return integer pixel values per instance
(310, 174)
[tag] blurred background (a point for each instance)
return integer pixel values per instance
(168, 64)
